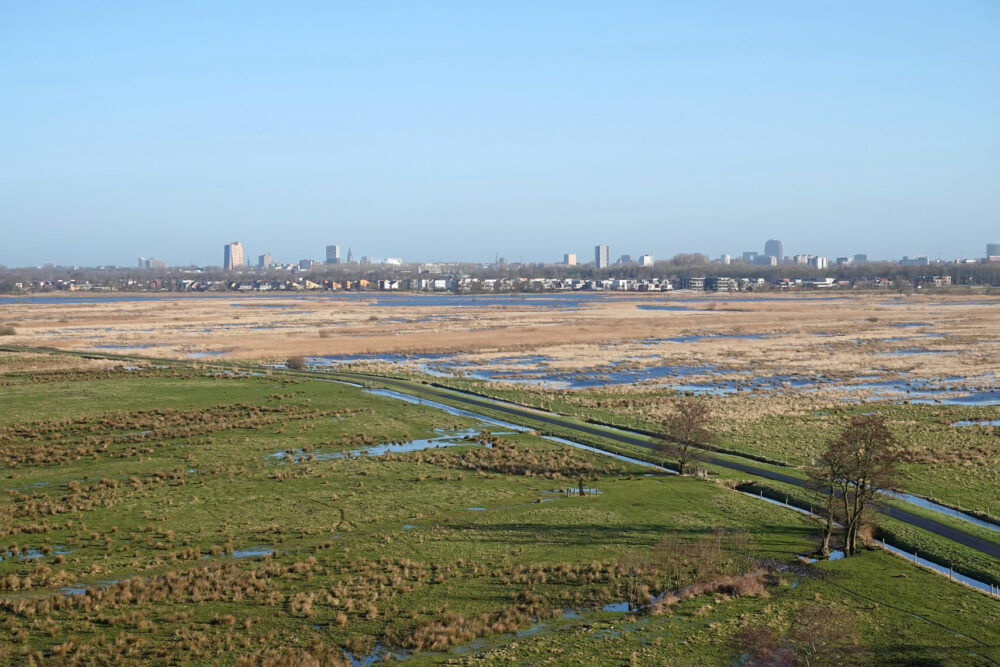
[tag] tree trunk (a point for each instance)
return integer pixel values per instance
(825, 549)
(847, 520)
(828, 529)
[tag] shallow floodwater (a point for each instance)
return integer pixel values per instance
(447, 439)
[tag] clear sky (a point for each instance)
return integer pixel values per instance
(447, 130)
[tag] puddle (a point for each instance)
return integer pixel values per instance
(35, 554)
(81, 589)
(533, 629)
(977, 422)
(379, 654)
(206, 353)
(575, 491)
(476, 509)
(409, 526)
(973, 398)
(834, 555)
(250, 553)
(452, 439)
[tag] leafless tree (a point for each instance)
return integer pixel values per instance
(820, 635)
(684, 434)
(862, 460)
(823, 477)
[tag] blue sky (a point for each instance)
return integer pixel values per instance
(447, 130)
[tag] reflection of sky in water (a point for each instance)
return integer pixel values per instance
(535, 370)
(452, 439)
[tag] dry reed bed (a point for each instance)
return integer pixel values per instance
(178, 324)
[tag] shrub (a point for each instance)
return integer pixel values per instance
(296, 363)
(8, 331)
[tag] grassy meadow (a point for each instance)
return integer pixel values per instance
(958, 466)
(184, 515)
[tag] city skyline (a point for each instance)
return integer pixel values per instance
(133, 130)
(236, 255)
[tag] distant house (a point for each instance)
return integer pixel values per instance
(696, 283)
(720, 284)
(933, 281)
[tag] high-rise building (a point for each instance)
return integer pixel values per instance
(232, 257)
(775, 248)
(602, 256)
(333, 254)
(151, 263)
(569, 259)
(992, 249)
(264, 261)
(646, 260)
(350, 255)
(750, 256)
(860, 257)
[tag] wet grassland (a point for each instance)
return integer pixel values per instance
(180, 514)
(953, 453)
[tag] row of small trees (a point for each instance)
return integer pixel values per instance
(858, 463)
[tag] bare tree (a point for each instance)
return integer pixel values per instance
(685, 433)
(820, 635)
(864, 459)
(824, 635)
(823, 477)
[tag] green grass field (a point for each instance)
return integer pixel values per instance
(956, 466)
(169, 516)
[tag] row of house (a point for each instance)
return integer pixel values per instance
(466, 284)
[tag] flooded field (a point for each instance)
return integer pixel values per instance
(865, 347)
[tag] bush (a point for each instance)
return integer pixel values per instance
(297, 363)
(7, 331)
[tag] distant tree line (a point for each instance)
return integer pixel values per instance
(680, 266)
